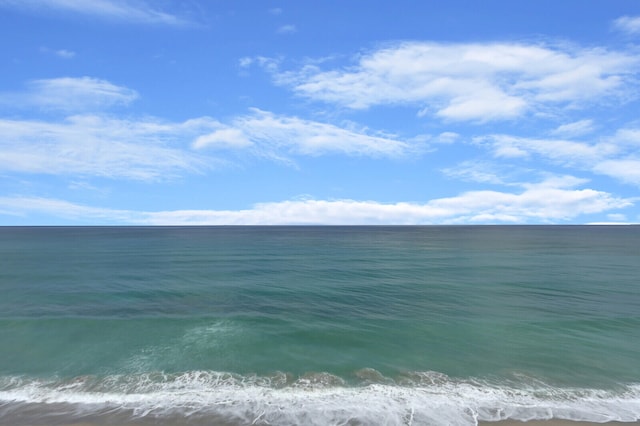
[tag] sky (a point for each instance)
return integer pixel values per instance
(198, 112)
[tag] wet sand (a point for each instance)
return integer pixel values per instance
(555, 423)
(498, 423)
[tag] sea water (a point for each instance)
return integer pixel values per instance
(319, 325)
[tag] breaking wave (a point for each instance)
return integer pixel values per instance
(366, 398)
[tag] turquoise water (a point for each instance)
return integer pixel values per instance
(319, 325)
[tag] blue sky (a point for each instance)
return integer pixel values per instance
(132, 112)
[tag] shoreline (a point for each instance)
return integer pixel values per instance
(550, 422)
(555, 422)
(123, 419)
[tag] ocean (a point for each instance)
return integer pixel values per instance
(433, 325)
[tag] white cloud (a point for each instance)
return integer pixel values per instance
(576, 128)
(548, 202)
(147, 149)
(615, 156)
(90, 145)
(69, 94)
(22, 206)
(628, 24)
(270, 134)
(476, 172)
(617, 217)
(447, 137)
(627, 170)
(223, 138)
(64, 53)
(152, 149)
(468, 81)
(567, 152)
(135, 11)
(245, 62)
(490, 105)
(268, 64)
(287, 29)
(627, 137)
(503, 150)
(61, 53)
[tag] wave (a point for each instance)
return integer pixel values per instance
(418, 398)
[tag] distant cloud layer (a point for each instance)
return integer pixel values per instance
(546, 201)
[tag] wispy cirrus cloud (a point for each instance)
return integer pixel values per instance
(615, 156)
(81, 140)
(87, 142)
(69, 94)
(150, 149)
(23, 206)
(266, 134)
(134, 11)
(467, 81)
(553, 200)
(480, 171)
(259, 133)
(573, 129)
(567, 151)
(94, 145)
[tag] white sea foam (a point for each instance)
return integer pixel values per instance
(318, 399)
